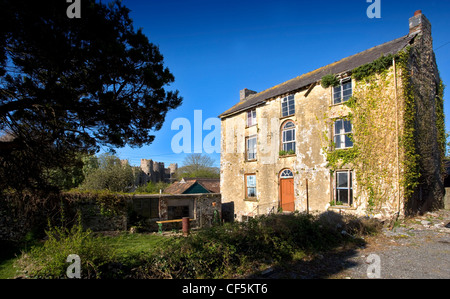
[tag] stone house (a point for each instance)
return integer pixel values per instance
(363, 135)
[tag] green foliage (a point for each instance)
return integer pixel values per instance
(227, 251)
(109, 203)
(329, 80)
(440, 123)
(372, 122)
(375, 67)
(73, 87)
(411, 176)
(338, 158)
(111, 174)
(236, 249)
(152, 188)
(49, 259)
(286, 153)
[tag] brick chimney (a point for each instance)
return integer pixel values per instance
(419, 24)
(245, 93)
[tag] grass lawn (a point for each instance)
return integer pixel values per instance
(134, 244)
(8, 255)
(7, 269)
(125, 246)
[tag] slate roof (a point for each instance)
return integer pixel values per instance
(180, 187)
(341, 66)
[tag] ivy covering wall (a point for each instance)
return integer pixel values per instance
(383, 114)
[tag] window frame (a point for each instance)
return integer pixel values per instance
(294, 138)
(345, 134)
(247, 151)
(342, 82)
(283, 176)
(247, 197)
(286, 100)
(251, 121)
(349, 187)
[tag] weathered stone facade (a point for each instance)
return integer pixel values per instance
(376, 177)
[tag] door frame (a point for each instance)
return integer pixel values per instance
(279, 186)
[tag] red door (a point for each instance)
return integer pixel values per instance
(287, 195)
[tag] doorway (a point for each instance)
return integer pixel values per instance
(287, 198)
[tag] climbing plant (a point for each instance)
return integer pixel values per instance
(410, 161)
(373, 117)
(440, 123)
(329, 80)
(376, 67)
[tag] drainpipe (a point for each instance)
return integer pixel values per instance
(397, 136)
(307, 198)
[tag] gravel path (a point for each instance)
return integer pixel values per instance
(418, 248)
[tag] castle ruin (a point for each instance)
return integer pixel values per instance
(152, 171)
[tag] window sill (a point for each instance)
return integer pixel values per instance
(341, 149)
(288, 156)
(254, 160)
(343, 207)
(251, 199)
(287, 116)
(338, 104)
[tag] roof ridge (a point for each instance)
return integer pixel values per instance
(309, 78)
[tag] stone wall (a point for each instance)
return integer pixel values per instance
(104, 211)
(447, 199)
(425, 80)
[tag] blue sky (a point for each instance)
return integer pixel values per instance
(215, 48)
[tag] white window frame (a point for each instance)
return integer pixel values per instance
(341, 91)
(247, 187)
(289, 103)
(250, 152)
(349, 187)
(343, 134)
(251, 118)
(285, 142)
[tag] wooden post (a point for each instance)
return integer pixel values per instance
(186, 226)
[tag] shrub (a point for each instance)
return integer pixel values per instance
(239, 248)
(49, 260)
(329, 80)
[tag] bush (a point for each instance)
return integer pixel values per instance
(49, 260)
(152, 188)
(227, 251)
(241, 248)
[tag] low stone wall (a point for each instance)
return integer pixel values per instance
(92, 218)
(107, 212)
